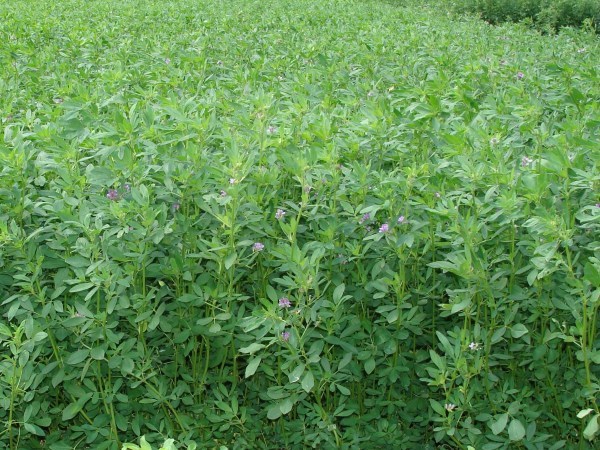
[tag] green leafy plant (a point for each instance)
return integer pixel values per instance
(309, 224)
(169, 444)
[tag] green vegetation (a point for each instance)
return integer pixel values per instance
(545, 14)
(296, 224)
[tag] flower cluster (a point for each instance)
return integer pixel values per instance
(525, 161)
(112, 195)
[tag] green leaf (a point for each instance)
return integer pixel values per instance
(169, 444)
(81, 287)
(34, 429)
(97, 353)
(345, 361)
(144, 444)
(274, 412)
(286, 405)
(343, 390)
(518, 330)
(499, 424)
(230, 260)
(78, 261)
(252, 348)
(252, 366)
(592, 428)
(437, 360)
(584, 412)
(338, 293)
(591, 274)
(437, 407)
(516, 430)
(369, 365)
(308, 381)
(77, 357)
(71, 411)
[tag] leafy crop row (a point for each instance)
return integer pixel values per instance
(267, 224)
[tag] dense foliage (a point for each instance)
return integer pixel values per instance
(268, 224)
(545, 14)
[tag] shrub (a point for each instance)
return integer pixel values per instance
(544, 14)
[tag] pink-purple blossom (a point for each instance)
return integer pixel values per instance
(258, 247)
(401, 219)
(112, 195)
(285, 335)
(364, 218)
(279, 214)
(284, 302)
(384, 228)
(520, 75)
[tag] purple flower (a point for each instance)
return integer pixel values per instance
(223, 193)
(384, 228)
(438, 195)
(232, 181)
(597, 205)
(284, 302)
(520, 75)
(127, 187)
(285, 336)
(364, 218)
(112, 195)
(258, 247)
(279, 214)
(176, 206)
(401, 219)
(525, 161)
(272, 129)
(167, 60)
